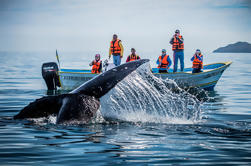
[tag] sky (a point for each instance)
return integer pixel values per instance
(147, 25)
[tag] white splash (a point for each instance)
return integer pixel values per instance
(142, 97)
(45, 120)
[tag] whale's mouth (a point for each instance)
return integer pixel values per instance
(142, 97)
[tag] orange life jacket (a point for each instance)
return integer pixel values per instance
(197, 63)
(163, 63)
(115, 48)
(133, 57)
(177, 45)
(96, 66)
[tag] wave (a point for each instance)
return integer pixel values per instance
(142, 97)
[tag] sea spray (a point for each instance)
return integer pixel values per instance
(142, 97)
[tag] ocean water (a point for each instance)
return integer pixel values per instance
(180, 130)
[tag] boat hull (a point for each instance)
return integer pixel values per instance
(71, 78)
(204, 80)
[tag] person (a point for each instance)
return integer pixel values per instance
(96, 64)
(197, 61)
(164, 62)
(177, 43)
(116, 49)
(133, 56)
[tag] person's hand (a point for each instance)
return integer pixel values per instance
(109, 57)
(121, 56)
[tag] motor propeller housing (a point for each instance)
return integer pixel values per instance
(50, 75)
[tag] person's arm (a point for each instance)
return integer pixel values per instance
(200, 58)
(122, 49)
(138, 57)
(192, 58)
(91, 63)
(110, 52)
(128, 59)
(201, 61)
(171, 41)
(157, 62)
(100, 67)
(181, 40)
(169, 62)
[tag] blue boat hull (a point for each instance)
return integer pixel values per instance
(72, 78)
(205, 80)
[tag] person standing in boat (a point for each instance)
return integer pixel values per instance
(133, 56)
(164, 62)
(96, 64)
(177, 43)
(197, 61)
(116, 49)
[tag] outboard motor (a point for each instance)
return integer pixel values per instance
(50, 75)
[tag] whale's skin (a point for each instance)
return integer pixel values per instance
(78, 109)
(82, 103)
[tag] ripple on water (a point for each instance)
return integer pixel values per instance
(221, 137)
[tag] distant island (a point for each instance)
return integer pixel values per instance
(239, 47)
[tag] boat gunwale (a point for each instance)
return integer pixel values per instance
(226, 64)
(78, 73)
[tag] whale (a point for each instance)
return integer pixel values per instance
(82, 103)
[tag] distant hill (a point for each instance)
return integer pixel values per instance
(239, 47)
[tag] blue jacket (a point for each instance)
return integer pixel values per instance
(168, 60)
(200, 58)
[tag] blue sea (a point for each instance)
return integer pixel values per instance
(216, 130)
